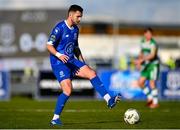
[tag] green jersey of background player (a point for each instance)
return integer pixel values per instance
(148, 63)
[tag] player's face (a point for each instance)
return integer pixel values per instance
(76, 17)
(148, 35)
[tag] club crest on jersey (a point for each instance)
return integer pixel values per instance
(69, 48)
(61, 73)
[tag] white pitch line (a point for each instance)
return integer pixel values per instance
(66, 110)
(51, 110)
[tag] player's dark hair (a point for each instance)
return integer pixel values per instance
(75, 8)
(148, 29)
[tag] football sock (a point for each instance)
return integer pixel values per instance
(147, 92)
(155, 95)
(62, 98)
(107, 97)
(99, 87)
(55, 117)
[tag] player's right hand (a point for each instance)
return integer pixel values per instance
(64, 58)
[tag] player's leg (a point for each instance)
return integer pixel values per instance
(154, 92)
(66, 86)
(62, 74)
(87, 72)
(145, 89)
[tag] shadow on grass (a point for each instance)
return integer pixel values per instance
(93, 122)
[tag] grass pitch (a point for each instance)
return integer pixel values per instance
(29, 114)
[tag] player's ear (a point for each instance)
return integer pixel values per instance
(70, 14)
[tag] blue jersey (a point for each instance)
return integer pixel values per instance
(64, 39)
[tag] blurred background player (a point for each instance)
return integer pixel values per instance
(63, 47)
(148, 63)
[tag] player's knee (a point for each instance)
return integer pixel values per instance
(141, 84)
(66, 87)
(152, 84)
(92, 74)
(67, 92)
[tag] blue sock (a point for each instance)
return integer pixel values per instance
(98, 85)
(62, 98)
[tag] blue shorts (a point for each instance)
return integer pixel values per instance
(67, 70)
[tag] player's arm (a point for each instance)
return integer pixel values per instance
(77, 50)
(78, 54)
(151, 55)
(53, 39)
(139, 60)
(142, 58)
(52, 50)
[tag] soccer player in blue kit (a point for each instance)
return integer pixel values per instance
(67, 61)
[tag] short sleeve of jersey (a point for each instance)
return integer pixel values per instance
(54, 36)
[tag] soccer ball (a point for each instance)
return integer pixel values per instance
(131, 116)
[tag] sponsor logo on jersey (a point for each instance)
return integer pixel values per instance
(61, 73)
(52, 38)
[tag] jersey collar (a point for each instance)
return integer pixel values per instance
(71, 28)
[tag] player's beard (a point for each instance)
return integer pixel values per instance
(76, 22)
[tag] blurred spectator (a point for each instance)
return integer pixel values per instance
(132, 66)
(171, 63)
(123, 63)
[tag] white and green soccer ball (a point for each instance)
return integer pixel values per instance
(131, 116)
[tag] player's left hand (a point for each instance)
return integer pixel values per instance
(64, 58)
(138, 63)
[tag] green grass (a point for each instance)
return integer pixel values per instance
(27, 113)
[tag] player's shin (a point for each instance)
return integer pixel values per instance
(147, 92)
(99, 87)
(61, 101)
(155, 95)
